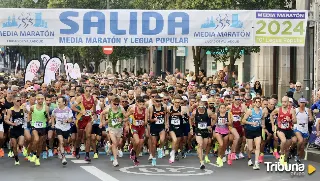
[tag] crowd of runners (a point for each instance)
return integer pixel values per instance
(166, 118)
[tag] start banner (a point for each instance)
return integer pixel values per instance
(84, 27)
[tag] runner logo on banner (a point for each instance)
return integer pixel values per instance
(82, 27)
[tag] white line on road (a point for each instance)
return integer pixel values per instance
(213, 164)
(70, 156)
(98, 173)
(79, 161)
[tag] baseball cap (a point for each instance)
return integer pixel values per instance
(303, 100)
(290, 100)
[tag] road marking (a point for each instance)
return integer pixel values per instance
(165, 170)
(213, 164)
(98, 173)
(79, 161)
(70, 156)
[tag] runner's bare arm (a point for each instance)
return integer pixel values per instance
(166, 118)
(8, 117)
(294, 118)
(47, 112)
(76, 103)
(30, 114)
(53, 118)
(191, 120)
(214, 119)
(310, 115)
(246, 116)
(150, 110)
(273, 113)
(230, 117)
(146, 117)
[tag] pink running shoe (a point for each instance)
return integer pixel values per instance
(233, 156)
(276, 154)
(260, 159)
(229, 159)
(170, 161)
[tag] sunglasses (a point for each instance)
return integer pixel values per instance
(158, 100)
(116, 104)
(18, 100)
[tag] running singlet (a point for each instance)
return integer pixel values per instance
(61, 116)
(268, 121)
(236, 112)
(302, 120)
(88, 105)
(138, 117)
(175, 118)
(202, 121)
(18, 118)
(254, 118)
(283, 123)
(222, 124)
(39, 119)
(159, 124)
(113, 118)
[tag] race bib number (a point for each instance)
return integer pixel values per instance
(256, 120)
(236, 118)
(160, 121)
(88, 113)
(19, 121)
(285, 125)
(175, 121)
(114, 122)
(202, 125)
(221, 121)
(38, 124)
(139, 122)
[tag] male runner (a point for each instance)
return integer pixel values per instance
(38, 116)
(87, 106)
(61, 120)
(158, 125)
(140, 118)
(254, 123)
(286, 119)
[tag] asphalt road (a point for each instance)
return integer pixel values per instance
(102, 170)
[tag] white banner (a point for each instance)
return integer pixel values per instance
(31, 71)
(51, 68)
(84, 27)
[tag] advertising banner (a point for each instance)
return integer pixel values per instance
(85, 27)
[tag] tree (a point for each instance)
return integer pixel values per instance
(125, 53)
(226, 53)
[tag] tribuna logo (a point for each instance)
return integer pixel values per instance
(294, 169)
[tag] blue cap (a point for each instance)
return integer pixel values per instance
(212, 92)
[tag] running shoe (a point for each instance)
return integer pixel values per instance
(44, 155)
(64, 161)
(50, 153)
(1, 153)
(87, 159)
(160, 153)
(136, 162)
(260, 159)
(10, 154)
(250, 163)
(154, 162)
(206, 159)
(37, 162)
(33, 158)
(219, 162)
(224, 159)
(241, 156)
(297, 159)
(120, 153)
(233, 156)
(55, 151)
(24, 152)
(256, 166)
(95, 156)
(115, 163)
(16, 162)
(276, 154)
(202, 167)
(111, 158)
(229, 159)
(281, 160)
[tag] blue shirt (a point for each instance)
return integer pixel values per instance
(254, 118)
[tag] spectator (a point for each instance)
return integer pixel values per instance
(257, 88)
(292, 87)
(298, 93)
